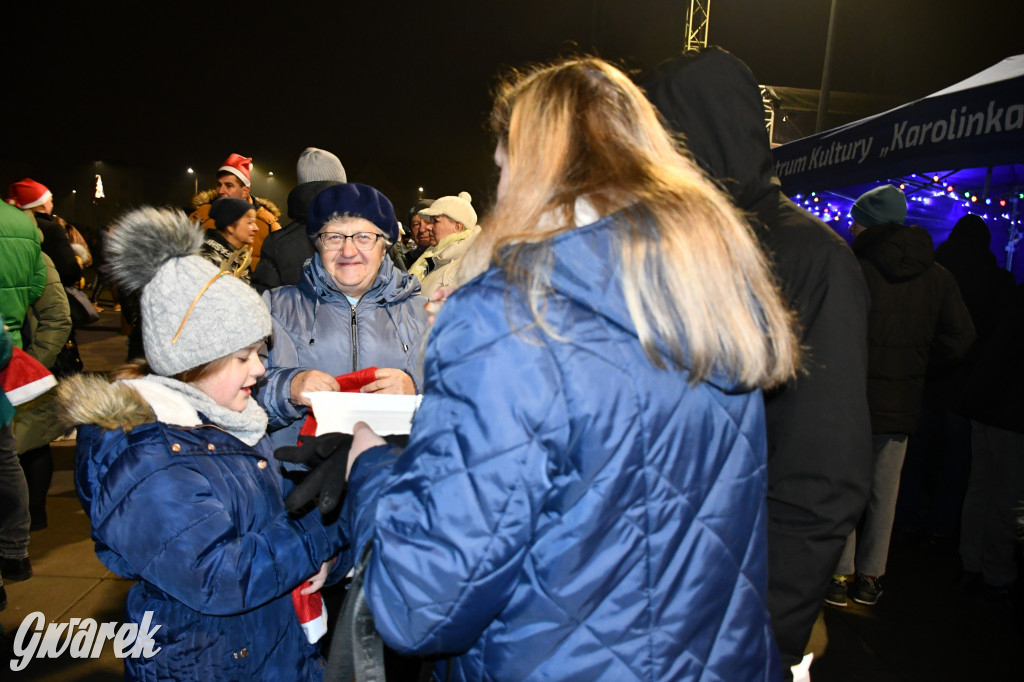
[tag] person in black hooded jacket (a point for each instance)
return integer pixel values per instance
(286, 250)
(819, 451)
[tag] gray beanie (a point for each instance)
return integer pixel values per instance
(155, 250)
(319, 165)
(883, 204)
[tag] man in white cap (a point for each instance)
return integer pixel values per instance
(452, 233)
(233, 180)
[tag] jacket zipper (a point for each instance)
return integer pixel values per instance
(355, 348)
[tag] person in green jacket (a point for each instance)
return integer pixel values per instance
(22, 270)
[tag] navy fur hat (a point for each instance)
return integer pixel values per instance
(355, 200)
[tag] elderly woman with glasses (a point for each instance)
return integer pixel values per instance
(352, 309)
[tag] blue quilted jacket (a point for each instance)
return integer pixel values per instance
(564, 510)
(198, 518)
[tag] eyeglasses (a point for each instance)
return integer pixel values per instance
(335, 241)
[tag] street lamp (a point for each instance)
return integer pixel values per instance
(195, 179)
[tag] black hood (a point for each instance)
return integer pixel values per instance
(300, 198)
(899, 252)
(713, 99)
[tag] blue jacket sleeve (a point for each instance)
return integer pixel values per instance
(450, 520)
(281, 359)
(190, 547)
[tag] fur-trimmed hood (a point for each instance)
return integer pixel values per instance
(207, 196)
(92, 399)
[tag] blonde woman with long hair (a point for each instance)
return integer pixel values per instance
(583, 493)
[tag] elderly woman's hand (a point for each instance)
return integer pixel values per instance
(390, 380)
(308, 381)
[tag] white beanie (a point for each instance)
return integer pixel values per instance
(457, 208)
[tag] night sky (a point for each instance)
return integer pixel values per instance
(399, 91)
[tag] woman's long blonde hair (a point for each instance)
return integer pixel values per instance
(696, 283)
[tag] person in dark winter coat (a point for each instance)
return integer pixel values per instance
(34, 198)
(986, 288)
(419, 228)
(938, 462)
(583, 493)
(993, 399)
(175, 471)
(353, 309)
(917, 317)
(818, 448)
(287, 250)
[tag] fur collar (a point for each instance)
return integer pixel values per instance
(92, 399)
(208, 195)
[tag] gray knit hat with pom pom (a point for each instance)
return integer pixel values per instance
(191, 313)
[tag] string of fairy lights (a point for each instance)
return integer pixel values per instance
(936, 194)
(833, 208)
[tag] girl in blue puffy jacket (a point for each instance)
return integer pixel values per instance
(175, 471)
(583, 492)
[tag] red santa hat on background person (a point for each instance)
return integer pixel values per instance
(238, 165)
(28, 193)
(24, 378)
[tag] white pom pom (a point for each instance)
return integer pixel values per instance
(466, 196)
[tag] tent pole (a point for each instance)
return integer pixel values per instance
(826, 70)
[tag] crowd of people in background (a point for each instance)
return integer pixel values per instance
(666, 413)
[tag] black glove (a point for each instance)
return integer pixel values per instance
(327, 457)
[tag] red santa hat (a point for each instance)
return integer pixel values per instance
(312, 613)
(238, 165)
(28, 193)
(25, 378)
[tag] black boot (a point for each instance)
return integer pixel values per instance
(16, 569)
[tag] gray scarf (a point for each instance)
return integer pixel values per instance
(248, 426)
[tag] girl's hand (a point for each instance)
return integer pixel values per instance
(437, 300)
(363, 438)
(317, 581)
